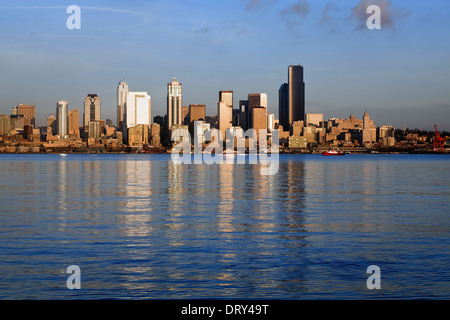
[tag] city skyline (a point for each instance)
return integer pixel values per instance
(399, 73)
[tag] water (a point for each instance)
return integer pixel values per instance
(142, 227)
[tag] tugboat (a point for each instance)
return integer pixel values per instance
(332, 152)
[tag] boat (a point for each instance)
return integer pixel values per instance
(332, 153)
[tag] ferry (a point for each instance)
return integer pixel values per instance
(332, 153)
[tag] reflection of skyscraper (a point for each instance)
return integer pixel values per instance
(296, 94)
(122, 91)
(62, 128)
(174, 104)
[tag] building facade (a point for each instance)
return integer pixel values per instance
(138, 109)
(122, 92)
(283, 106)
(5, 124)
(62, 129)
(174, 104)
(257, 100)
(28, 112)
(224, 117)
(296, 98)
(314, 119)
(92, 110)
(74, 122)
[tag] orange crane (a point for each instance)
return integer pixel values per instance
(438, 144)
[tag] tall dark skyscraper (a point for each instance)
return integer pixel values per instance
(296, 94)
(283, 106)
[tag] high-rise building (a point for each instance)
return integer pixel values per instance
(185, 115)
(17, 121)
(296, 99)
(74, 122)
(369, 134)
(224, 117)
(92, 110)
(122, 92)
(197, 112)
(283, 106)
(174, 104)
(138, 109)
(244, 114)
(227, 97)
(257, 100)
(61, 119)
(5, 124)
(28, 112)
(258, 118)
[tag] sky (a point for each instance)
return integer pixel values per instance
(400, 73)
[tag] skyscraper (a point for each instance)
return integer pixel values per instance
(28, 112)
(296, 99)
(74, 122)
(61, 119)
(244, 114)
(227, 97)
(174, 104)
(197, 112)
(138, 109)
(122, 91)
(92, 110)
(258, 119)
(224, 117)
(257, 100)
(283, 106)
(5, 124)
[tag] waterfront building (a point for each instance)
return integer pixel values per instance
(386, 135)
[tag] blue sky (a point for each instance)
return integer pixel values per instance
(399, 74)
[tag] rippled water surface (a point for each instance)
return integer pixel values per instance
(140, 226)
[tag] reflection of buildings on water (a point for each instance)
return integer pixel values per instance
(225, 200)
(137, 200)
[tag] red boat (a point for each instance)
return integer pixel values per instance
(332, 153)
